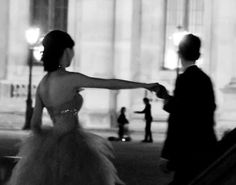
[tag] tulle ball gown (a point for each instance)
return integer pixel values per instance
(65, 154)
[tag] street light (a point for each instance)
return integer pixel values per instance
(177, 38)
(32, 36)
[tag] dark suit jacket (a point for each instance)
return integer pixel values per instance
(190, 133)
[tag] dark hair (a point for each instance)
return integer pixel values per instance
(55, 42)
(189, 47)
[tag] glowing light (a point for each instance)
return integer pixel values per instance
(32, 35)
(38, 51)
(178, 36)
(171, 59)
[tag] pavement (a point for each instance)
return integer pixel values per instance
(138, 163)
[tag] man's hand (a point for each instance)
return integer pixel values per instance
(162, 92)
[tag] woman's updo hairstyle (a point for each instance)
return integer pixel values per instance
(54, 43)
(189, 47)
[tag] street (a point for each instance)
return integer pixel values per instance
(137, 163)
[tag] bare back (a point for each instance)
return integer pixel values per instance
(55, 89)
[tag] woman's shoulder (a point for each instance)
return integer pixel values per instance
(67, 79)
(68, 74)
(55, 75)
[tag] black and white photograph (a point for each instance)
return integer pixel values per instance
(117, 92)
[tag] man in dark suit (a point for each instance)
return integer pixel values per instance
(190, 142)
(147, 111)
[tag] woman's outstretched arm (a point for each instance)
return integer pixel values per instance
(81, 80)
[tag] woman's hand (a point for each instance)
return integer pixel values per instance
(153, 87)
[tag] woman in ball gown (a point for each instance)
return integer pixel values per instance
(65, 154)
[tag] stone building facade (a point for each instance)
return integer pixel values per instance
(129, 39)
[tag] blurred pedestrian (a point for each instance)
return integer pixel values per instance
(147, 111)
(122, 124)
(190, 142)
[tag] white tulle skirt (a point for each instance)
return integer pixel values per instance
(73, 158)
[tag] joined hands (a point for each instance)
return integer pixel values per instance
(160, 90)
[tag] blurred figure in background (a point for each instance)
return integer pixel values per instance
(147, 111)
(123, 125)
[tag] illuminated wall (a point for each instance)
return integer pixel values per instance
(119, 39)
(126, 39)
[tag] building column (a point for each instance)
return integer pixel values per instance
(113, 94)
(4, 22)
(13, 46)
(223, 50)
(136, 38)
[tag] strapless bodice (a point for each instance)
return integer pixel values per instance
(65, 116)
(71, 106)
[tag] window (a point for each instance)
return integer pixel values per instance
(49, 14)
(181, 15)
